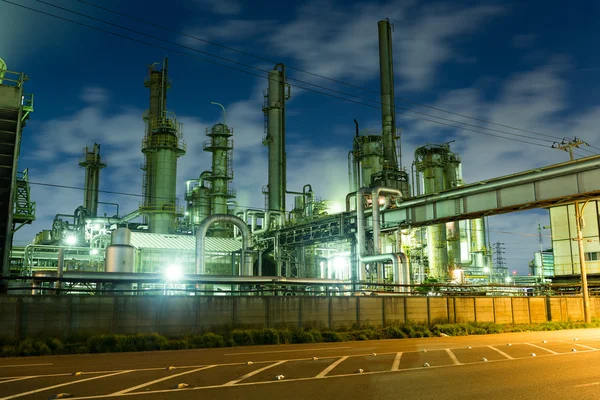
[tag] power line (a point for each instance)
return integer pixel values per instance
(307, 72)
(264, 77)
(406, 110)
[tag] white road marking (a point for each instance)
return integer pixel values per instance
(501, 352)
(286, 351)
(542, 348)
(24, 365)
(248, 375)
(453, 357)
(131, 389)
(588, 384)
(584, 346)
(16, 379)
(406, 370)
(331, 367)
(396, 364)
(14, 396)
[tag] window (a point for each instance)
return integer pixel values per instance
(592, 256)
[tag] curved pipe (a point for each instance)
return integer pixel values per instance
(246, 241)
(376, 192)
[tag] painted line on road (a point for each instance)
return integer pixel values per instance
(331, 367)
(396, 364)
(286, 351)
(24, 365)
(14, 396)
(542, 348)
(166, 378)
(453, 357)
(584, 346)
(588, 384)
(16, 379)
(248, 375)
(501, 352)
(405, 370)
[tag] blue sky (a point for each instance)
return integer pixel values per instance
(531, 65)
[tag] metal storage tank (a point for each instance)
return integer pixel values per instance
(120, 254)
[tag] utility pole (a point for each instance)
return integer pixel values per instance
(567, 145)
(541, 253)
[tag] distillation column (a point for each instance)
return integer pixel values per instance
(220, 146)
(433, 162)
(92, 163)
(274, 109)
(162, 146)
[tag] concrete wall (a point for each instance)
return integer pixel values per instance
(26, 316)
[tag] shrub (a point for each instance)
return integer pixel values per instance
(206, 340)
(242, 337)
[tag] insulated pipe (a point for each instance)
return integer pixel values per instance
(400, 275)
(159, 277)
(376, 192)
(350, 170)
(246, 241)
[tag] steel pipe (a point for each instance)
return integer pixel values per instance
(202, 229)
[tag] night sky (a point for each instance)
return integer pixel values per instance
(530, 65)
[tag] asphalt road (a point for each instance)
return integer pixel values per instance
(535, 365)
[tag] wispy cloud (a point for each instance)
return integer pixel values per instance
(423, 38)
(224, 7)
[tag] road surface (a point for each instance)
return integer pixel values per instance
(533, 365)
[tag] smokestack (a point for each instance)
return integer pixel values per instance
(274, 109)
(388, 108)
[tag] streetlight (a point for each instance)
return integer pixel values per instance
(220, 105)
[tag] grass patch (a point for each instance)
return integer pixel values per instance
(88, 343)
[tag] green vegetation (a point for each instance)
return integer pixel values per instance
(87, 343)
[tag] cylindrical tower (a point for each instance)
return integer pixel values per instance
(432, 162)
(274, 109)
(220, 146)
(162, 146)
(453, 178)
(198, 202)
(92, 164)
(369, 155)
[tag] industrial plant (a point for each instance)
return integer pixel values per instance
(403, 225)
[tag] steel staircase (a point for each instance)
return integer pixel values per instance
(15, 205)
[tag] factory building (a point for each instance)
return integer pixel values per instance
(397, 228)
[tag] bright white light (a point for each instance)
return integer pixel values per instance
(71, 240)
(335, 207)
(507, 279)
(97, 227)
(338, 263)
(457, 275)
(486, 269)
(94, 252)
(173, 273)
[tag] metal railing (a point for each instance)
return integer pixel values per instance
(12, 78)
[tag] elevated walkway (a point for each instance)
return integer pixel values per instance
(542, 187)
